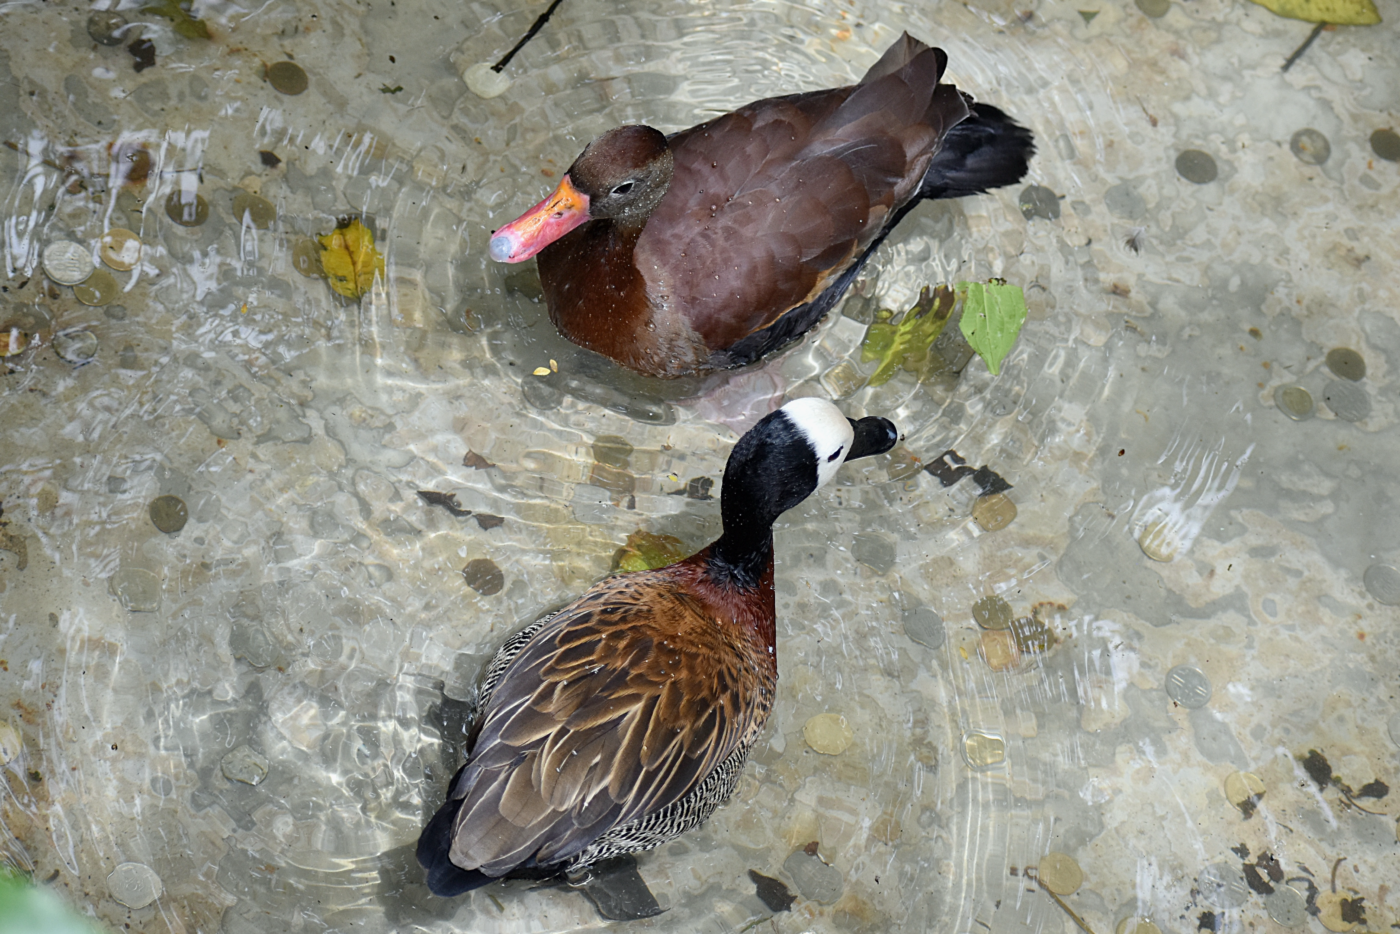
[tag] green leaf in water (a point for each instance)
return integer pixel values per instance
(907, 343)
(183, 23)
(992, 317)
(647, 551)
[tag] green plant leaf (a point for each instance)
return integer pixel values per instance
(906, 344)
(647, 551)
(992, 317)
(182, 22)
(1337, 12)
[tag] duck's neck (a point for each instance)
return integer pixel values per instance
(739, 588)
(597, 296)
(741, 557)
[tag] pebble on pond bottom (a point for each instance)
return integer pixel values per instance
(992, 613)
(1383, 582)
(75, 345)
(244, 764)
(1310, 146)
(994, 511)
(812, 877)
(1159, 542)
(169, 513)
(1060, 873)
(1243, 790)
(1346, 363)
(828, 733)
(925, 626)
(484, 81)
(1136, 926)
(1154, 9)
(983, 750)
(10, 744)
(1294, 401)
(287, 78)
(998, 650)
(483, 576)
(135, 885)
(1386, 144)
(137, 588)
(1196, 167)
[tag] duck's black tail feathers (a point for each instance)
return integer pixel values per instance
(985, 151)
(445, 878)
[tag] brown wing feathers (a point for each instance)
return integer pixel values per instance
(784, 193)
(616, 709)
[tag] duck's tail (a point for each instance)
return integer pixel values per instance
(985, 151)
(444, 877)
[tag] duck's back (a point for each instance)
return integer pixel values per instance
(770, 203)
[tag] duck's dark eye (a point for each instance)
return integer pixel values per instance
(836, 455)
(622, 189)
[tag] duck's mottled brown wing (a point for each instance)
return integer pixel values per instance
(619, 706)
(771, 202)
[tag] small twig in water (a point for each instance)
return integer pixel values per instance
(1298, 53)
(530, 34)
(1334, 873)
(1061, 902)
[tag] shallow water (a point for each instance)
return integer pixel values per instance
(261, 708)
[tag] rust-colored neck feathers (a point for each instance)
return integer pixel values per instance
(750, 609)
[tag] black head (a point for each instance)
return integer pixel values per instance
(625, 173)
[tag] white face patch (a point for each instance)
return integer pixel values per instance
(826, 430)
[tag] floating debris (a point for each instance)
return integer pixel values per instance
(245, 765)
(1188, 686)
(447, 501)
(1294, 401)
(169, 513)
(1196, 167)
(983, 750)
(1346, 363)
(476, 462)
(120, 248)
(1348, 401)
(75, 345)
(135, 885)
(1386, 144)
(1059, 873)
(287, 78)
(1155, 9)
(249, 208)
(1322, 12)
(992, 316)
(1339, 911)
(483, 576)
(994, 512)
(487, 522)
(1310, 146)
(1088, 15)
(1243, 790)
(181, 21)
(1039, 201)
(186, 208)
(350, 259)
(269, 159)
(100, 288)
(68, 263)
(105, 27)
(828, 733)
(992, 613)
(950, 467)
(772, 892)
(144, 51)
(1383, 582)
(907, 345)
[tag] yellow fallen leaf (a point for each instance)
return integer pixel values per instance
(350, 259)
(541, 371)
(1338, 12)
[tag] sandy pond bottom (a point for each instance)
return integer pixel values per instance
(1151, 688)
